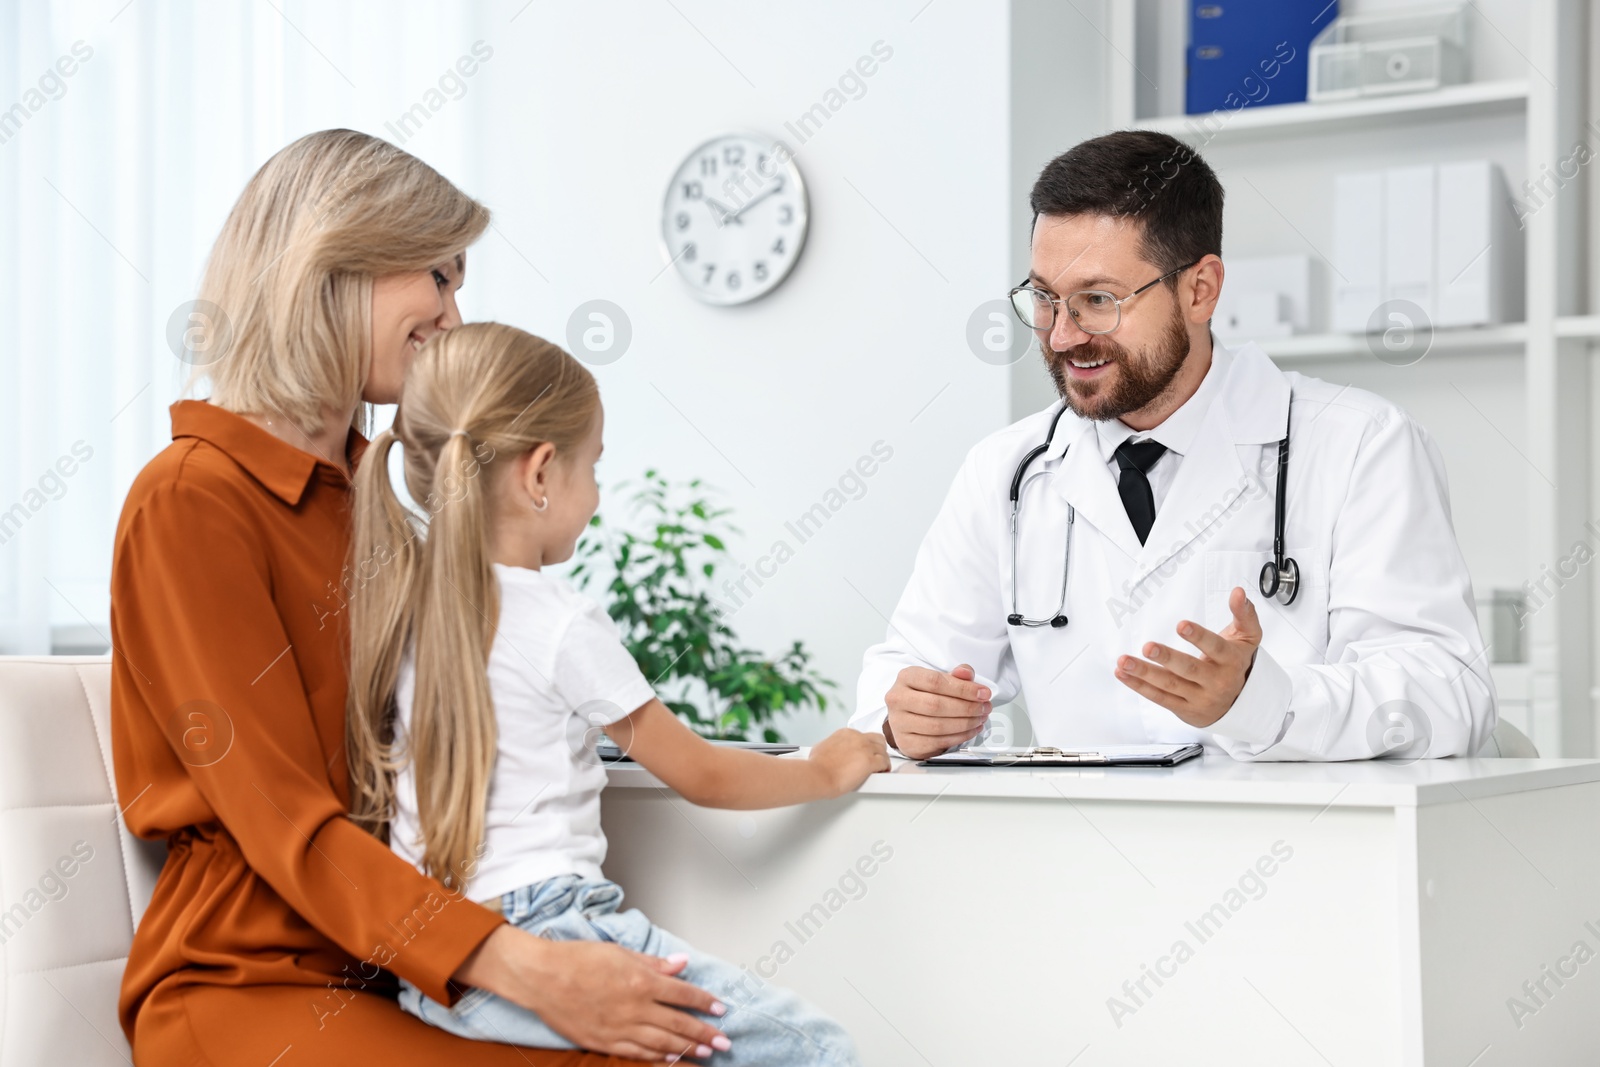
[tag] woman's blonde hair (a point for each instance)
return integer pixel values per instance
(291, 271)
(475, 398)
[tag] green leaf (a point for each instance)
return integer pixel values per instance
(660, 596)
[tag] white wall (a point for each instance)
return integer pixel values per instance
(770, 402)
(569, 132)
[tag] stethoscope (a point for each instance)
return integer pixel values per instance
(1280, 577)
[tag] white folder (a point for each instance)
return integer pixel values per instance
(1480, 247)
(1409, 236)
(1358, 249)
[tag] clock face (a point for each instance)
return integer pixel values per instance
(734, 218)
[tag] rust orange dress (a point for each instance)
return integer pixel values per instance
(277, 925)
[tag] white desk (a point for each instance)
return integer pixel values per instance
(1005, 908)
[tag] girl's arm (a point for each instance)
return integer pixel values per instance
(717, 777)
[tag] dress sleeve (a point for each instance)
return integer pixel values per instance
(196, 620)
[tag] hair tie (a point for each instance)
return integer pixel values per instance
(463, 433)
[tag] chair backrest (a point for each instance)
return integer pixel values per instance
(1508, 742)
(73, 881)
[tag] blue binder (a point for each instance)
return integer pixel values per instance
(1251, 53)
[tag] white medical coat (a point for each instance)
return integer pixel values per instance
(1380, 653)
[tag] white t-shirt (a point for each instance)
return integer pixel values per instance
(558, 672)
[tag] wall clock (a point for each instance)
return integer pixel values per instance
(735, 218)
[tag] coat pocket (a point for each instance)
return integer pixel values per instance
(1302, 626)
(1226, 569)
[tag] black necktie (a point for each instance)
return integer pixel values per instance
(1135, 458)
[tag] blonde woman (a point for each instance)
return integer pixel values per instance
(278, 924)
(478, 681)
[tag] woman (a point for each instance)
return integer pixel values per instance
(277, 924)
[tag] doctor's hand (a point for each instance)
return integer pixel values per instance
(1199, 690)
(931, 711)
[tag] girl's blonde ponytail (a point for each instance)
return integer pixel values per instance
(475, 398)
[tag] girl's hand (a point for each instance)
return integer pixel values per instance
(717, 777)
(847, 757)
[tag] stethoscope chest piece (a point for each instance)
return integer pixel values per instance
(1281, 580)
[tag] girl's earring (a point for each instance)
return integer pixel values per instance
(546, 504)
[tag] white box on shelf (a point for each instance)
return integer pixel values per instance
(1267, 296)
(1479, 247)
(1443, 236)
(1409, 235)
(1411, 50)
(1358, 246)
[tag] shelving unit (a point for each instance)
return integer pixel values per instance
(1530, 107)
(1456, 101)
(1584, 326)
(1508, 338)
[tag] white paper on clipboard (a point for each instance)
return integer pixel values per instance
(1099, 756)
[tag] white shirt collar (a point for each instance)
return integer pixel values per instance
(1178, 431)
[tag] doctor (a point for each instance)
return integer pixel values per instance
(1141, 598)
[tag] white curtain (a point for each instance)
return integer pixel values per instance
(126, 131)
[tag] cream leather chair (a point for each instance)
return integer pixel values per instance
(73, 881)
(1508, 742)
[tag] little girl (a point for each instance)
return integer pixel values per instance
(477, 680)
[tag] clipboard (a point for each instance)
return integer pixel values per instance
(1046, 756)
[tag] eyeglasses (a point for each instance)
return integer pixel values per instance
(1094, 310)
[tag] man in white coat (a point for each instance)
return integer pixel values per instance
(1154, 502)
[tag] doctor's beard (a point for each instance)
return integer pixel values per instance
(1135, 380)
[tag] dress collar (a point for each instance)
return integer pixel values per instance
(282, 468)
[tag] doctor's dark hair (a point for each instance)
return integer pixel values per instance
(1150, 177)
(475, 399)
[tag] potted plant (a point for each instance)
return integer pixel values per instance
(658, 591)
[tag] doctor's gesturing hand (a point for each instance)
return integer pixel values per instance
(1199, 690)
(931, 711)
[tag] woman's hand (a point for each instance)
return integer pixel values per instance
(598, 995)
(848, 757)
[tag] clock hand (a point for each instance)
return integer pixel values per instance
(720, 212)
(775, 187)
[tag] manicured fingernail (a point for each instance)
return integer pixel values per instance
(721, 1043)
(677, 958)
(702, 1051)
(987, 707)
(718, 1008)
(984, 694)
(1186, 629)
(672, 1058)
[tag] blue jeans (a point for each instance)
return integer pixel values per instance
(767, 1025)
